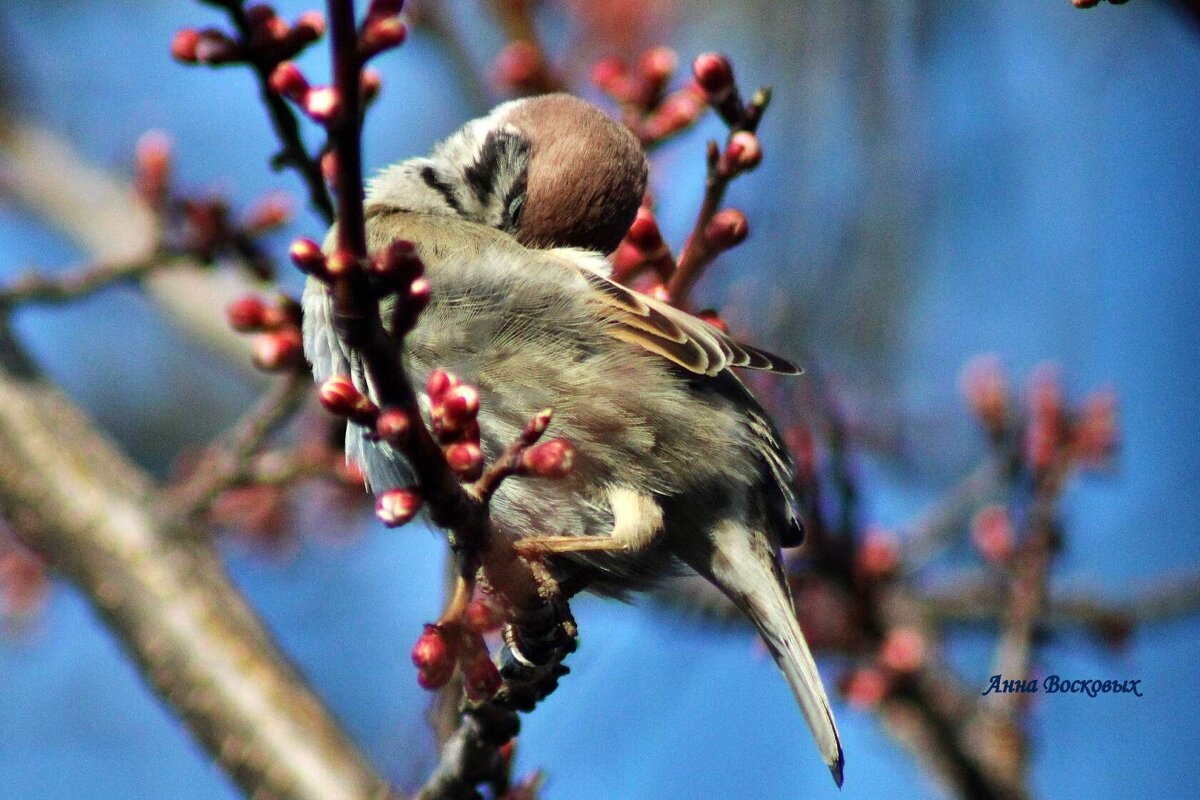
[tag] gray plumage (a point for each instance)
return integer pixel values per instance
(677, 463)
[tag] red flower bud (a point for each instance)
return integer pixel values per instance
(439, 382)
(279, 350)
(308, 258)
(289, 81)
(713, 72)
(434, 656)
(993, 534)
(370, 84)
(657, 65)
(380, 33)
(183, 45)
(398, 263)
(904, 650)
(865, 687)
(247, 314)
(214, 47)
(459, 405)
(550, 459)
(483, 615)
(269, 212)
(644, 233)
(339, 262)
(329, 167)
(152, 155)
(393, 426)
(395, 507)
(610, 76)
(519, 65)
(465, 459)
(678, 111)
(341, 397)
(986, 390)
(879, 554)
(1095, 436)
(728, 228)
(537, 426)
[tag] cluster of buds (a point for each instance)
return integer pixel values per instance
(278, 346)
(640, 91)
(265, 38)
(458, 643)
(903, 651)
(1058, 436)
(643, 259)
(454, 412)
(340, 397)
(204, 227)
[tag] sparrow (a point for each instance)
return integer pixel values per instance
(677, 464)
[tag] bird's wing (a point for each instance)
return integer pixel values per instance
(663, 329)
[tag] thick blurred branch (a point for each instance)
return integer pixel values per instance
(72, 496)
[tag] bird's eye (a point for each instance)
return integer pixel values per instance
(512, 211)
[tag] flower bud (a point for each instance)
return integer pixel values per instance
(395, 507)
(279, 350)
(986, 390)
(271, 211)
(903, 650)
(393, 427)
(370, 84)
(439, 382)
(714, 73)
(399, 263)
(865, 687)
(460, 405)
(678, 111)
(611, 76)
(312, 23)
(993, 535)
(878, 555)
(247, 314)
(152, 155)
(380, 33)
(384, 8)
(308, 258)
(183, 45)
(213, 47)
(322, 103)
(341, 397)
(465, 460)
(483, 615)
(481, 678)
(537, 426)
(550, 459)
(657, 65)
(743, 152)
(1094, 439)
(289, 81)
(339, 262)
(434, 656)
(519, 65)
(728, 228)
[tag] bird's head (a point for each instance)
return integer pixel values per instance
(553, 171)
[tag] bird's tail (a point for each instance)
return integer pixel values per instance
(745, 566)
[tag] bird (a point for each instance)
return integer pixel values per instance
(677, 464)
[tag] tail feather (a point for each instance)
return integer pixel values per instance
(745, 566)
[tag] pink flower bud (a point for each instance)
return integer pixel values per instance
(678, 111)
(519, 65)
(339, 262)
(986, 390)
(879, 554)
(395, 507)
(993, 534)
(714, 73)
(550, 459)
(460, 405)
(537, 426)
(393, 427)
(399, 263)
(214, 47)
(247, 314)
(322, 103)
(313, 23)
(308, 258)
(434, 656)
(439, 382)
(465, 460)
(865, 687)
(152, 155)
(483, 615)
(657, 65)
(289, 81)
(384, 8)
(183, 45)
(903, 650)
(743, 151)
(381, 33)
(329, 167)
(610, 75)
(271, 211)
(728, 228)
(341, 397)
(370, 84)
(1094, 439)
(644, 233)
(279, 350)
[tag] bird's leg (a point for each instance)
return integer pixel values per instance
(637, 522)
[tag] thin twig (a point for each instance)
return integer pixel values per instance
(38, 288)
